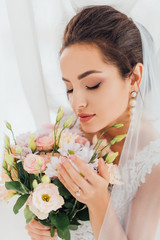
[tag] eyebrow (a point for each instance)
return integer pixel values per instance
(85, 74)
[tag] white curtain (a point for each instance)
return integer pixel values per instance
(31, 89)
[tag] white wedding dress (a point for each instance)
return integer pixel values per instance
(151, 154)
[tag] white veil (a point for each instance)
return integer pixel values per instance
(134, 208)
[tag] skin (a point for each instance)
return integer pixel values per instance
(110, 103)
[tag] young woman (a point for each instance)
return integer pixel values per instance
(109, 68)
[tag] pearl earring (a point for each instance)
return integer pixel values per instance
(132, 103)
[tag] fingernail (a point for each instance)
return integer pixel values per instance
(47, 228)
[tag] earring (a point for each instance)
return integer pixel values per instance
(132, 102)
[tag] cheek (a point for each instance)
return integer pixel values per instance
(112, 102)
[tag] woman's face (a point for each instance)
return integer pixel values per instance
(94, 87)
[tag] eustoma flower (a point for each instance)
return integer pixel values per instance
(45, 198)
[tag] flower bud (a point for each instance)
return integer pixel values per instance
(9, 159)
(119, 138)
(19, 150)
(4, 164)
(59, 116)
(59, 109)
(111, 157)
(45, 179)
(39, 161)
(118, 125)
(32, 144)
(71, 152)
(7, 142)
(113, 141)
(8, 125)
(68, 123)
(34, 183)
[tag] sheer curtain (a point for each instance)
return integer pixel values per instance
(31, 89)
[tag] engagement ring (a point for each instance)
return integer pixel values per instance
(78, 192)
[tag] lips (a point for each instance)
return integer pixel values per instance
(85, 117)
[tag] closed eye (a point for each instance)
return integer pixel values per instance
(89, 88)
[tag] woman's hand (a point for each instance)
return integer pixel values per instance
(93, 187)
(39, 232)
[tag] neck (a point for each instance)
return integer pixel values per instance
(113, 132)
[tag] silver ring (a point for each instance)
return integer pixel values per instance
(78, 192)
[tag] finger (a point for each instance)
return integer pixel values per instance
(40, 237)
(39, 231)
(68, 180)
(75, 175)
(35, 224)
(103, 169)
(60, 177)
(88, 173)
(53, 238)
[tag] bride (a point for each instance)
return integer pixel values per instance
(109, 67)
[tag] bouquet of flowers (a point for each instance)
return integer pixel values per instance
(29, 171)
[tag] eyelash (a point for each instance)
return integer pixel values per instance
(89, 88)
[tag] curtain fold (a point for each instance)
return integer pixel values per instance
(27, 55)
(31, 87)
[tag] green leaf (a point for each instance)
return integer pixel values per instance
(52, 231)
(20, 202)
(22, 174)
(74, 222)
(18, 186)
(45, 222)
(28, 214)
(68, 205)
(73, 227)
(64, 234)
(60, 221)
(53, 219)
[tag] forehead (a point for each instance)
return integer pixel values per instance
(81, 56)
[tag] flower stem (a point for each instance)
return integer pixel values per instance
(103, 134)
(73, 208)
(13, 137)
(108, 145)
(40, 173)
(60, 135)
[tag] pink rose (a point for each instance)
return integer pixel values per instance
(81, 140)
(33, 162)
(45, 143)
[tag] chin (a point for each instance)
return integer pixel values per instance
(90, 129)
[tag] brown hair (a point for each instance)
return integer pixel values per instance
(113, 32)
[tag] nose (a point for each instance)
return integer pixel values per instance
(79, 101)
